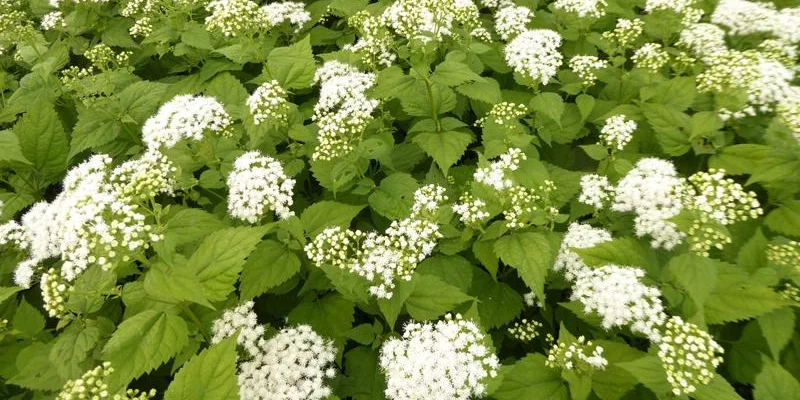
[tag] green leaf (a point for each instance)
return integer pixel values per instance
(696, 274)
(72, 348)
(325, 214)
(739, 158)
(446, 148)
(421, 100)
(35, 370)
(432, 297)
(143, 342)
(649, 371)
(529, 378)
(220, 257)
(498, 303)
(670, 127)
(230, 92)
(394, 197)
(705, 124)
(210, 375)
(530, 254)
(486, 90)
(785, 219)
(293, 66)
(27, 320)
(96, 126)
(614, 382)
(677, 93)
(775, 383)
(777, 328)
(270, 265)
(140, 100)
(364, 379)
(453, 270)
(174, 284)
(390, 308)
(10, 149)
(7, 292)
(189, 225)
(717, 389)
(331, 316)
(549, 104)
(736, 298)
(454, 73)
(622, 251)
(43, 141)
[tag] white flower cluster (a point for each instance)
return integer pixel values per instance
(256, 184)
(53, 20)
(621, 299)
(470, 210)
(496, 175)
(586, 67)
(292, 365)
(343, 109)
(384, 258)
(651, 190)
(534, 54)
(14, 234)
(531, 300)
(583, 8)
(703, 40)
(650, 56)
(89, 223)
(525, 330)
(581, 356)
(150, 174)
(578, 236)
(375, 42)
(742, 17)
(689, 355)
(789, 114)
(93, 384)
(503, 113)
(617, 132)
(448, 360)
(268, 104)
(243, 319)
(185, 117)
(596, 191)
(625, 32)
(511, 21)
(431, 20)
(678, 6)
(292, 12)
(245, 18)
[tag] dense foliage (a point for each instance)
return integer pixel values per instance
(402, 199)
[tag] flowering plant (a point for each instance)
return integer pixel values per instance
(399, 199)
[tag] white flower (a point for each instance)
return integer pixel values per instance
(52, 20)
(289, 11)
(535, 55)
(586, 67)
(244, 320)
(582, 356)
(184, 117)
(596, 191)
(496, 175)
(621, 299)
(678, 6)
(617, 132)
(471, 211)
(690, 356)
(268, 104)
(235, 17)
(144, 177)
(510, 21)
(650, 56)
(578, 236)
(651, 190)
(448, 360)
(583, 8)
(256, 184)
(292, 365)
(343, 110)
(375, 42)
(704, 40)
(426, 20)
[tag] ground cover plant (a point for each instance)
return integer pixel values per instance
(409, 199)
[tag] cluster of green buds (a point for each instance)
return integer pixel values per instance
(94, 385)
(268, 104)
(524, 206)
(790, 292)
(625, 33)
(15, 25)
(581, 356)
(786, 254)
(586, 68)
(525, 330)
(86, 81)
(55, 292)
(503, 114)
(729, 69)
(650, 56)
(689, 355)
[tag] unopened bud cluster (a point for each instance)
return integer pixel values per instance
(581, 356)
(525, 330)
(690, 355)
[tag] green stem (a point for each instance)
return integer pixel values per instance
(434, 105)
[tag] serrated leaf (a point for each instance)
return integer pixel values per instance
(10, 149)
(174, 284)
(331, 316)
(717, 389)
(230, 92)
(220, 257)
(785, 219)
(7, 292)
(35, 370)
(549, 104)
(530, 254)
(736, 298)
(190, 224)
(210, 375)
(649, 371)
(453, 73)
(446, 148)
(96, 126)
(677, 93)
(777, 328)
(622, 251)
(696, 274)
(72, 347)
(529, 378)
(140, 100)
(739, 158)
(293, 66)
(486, 90)
(390, 308)
(27, 320)
(394, 197)
(775, 383)
(498, 303)
(325, 214)
(270, 264)
(43, 141)
(364, 379)
(143, 342)
(432, 297)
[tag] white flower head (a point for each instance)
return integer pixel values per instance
(257, 184)
(185, 117)
(535, 55)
